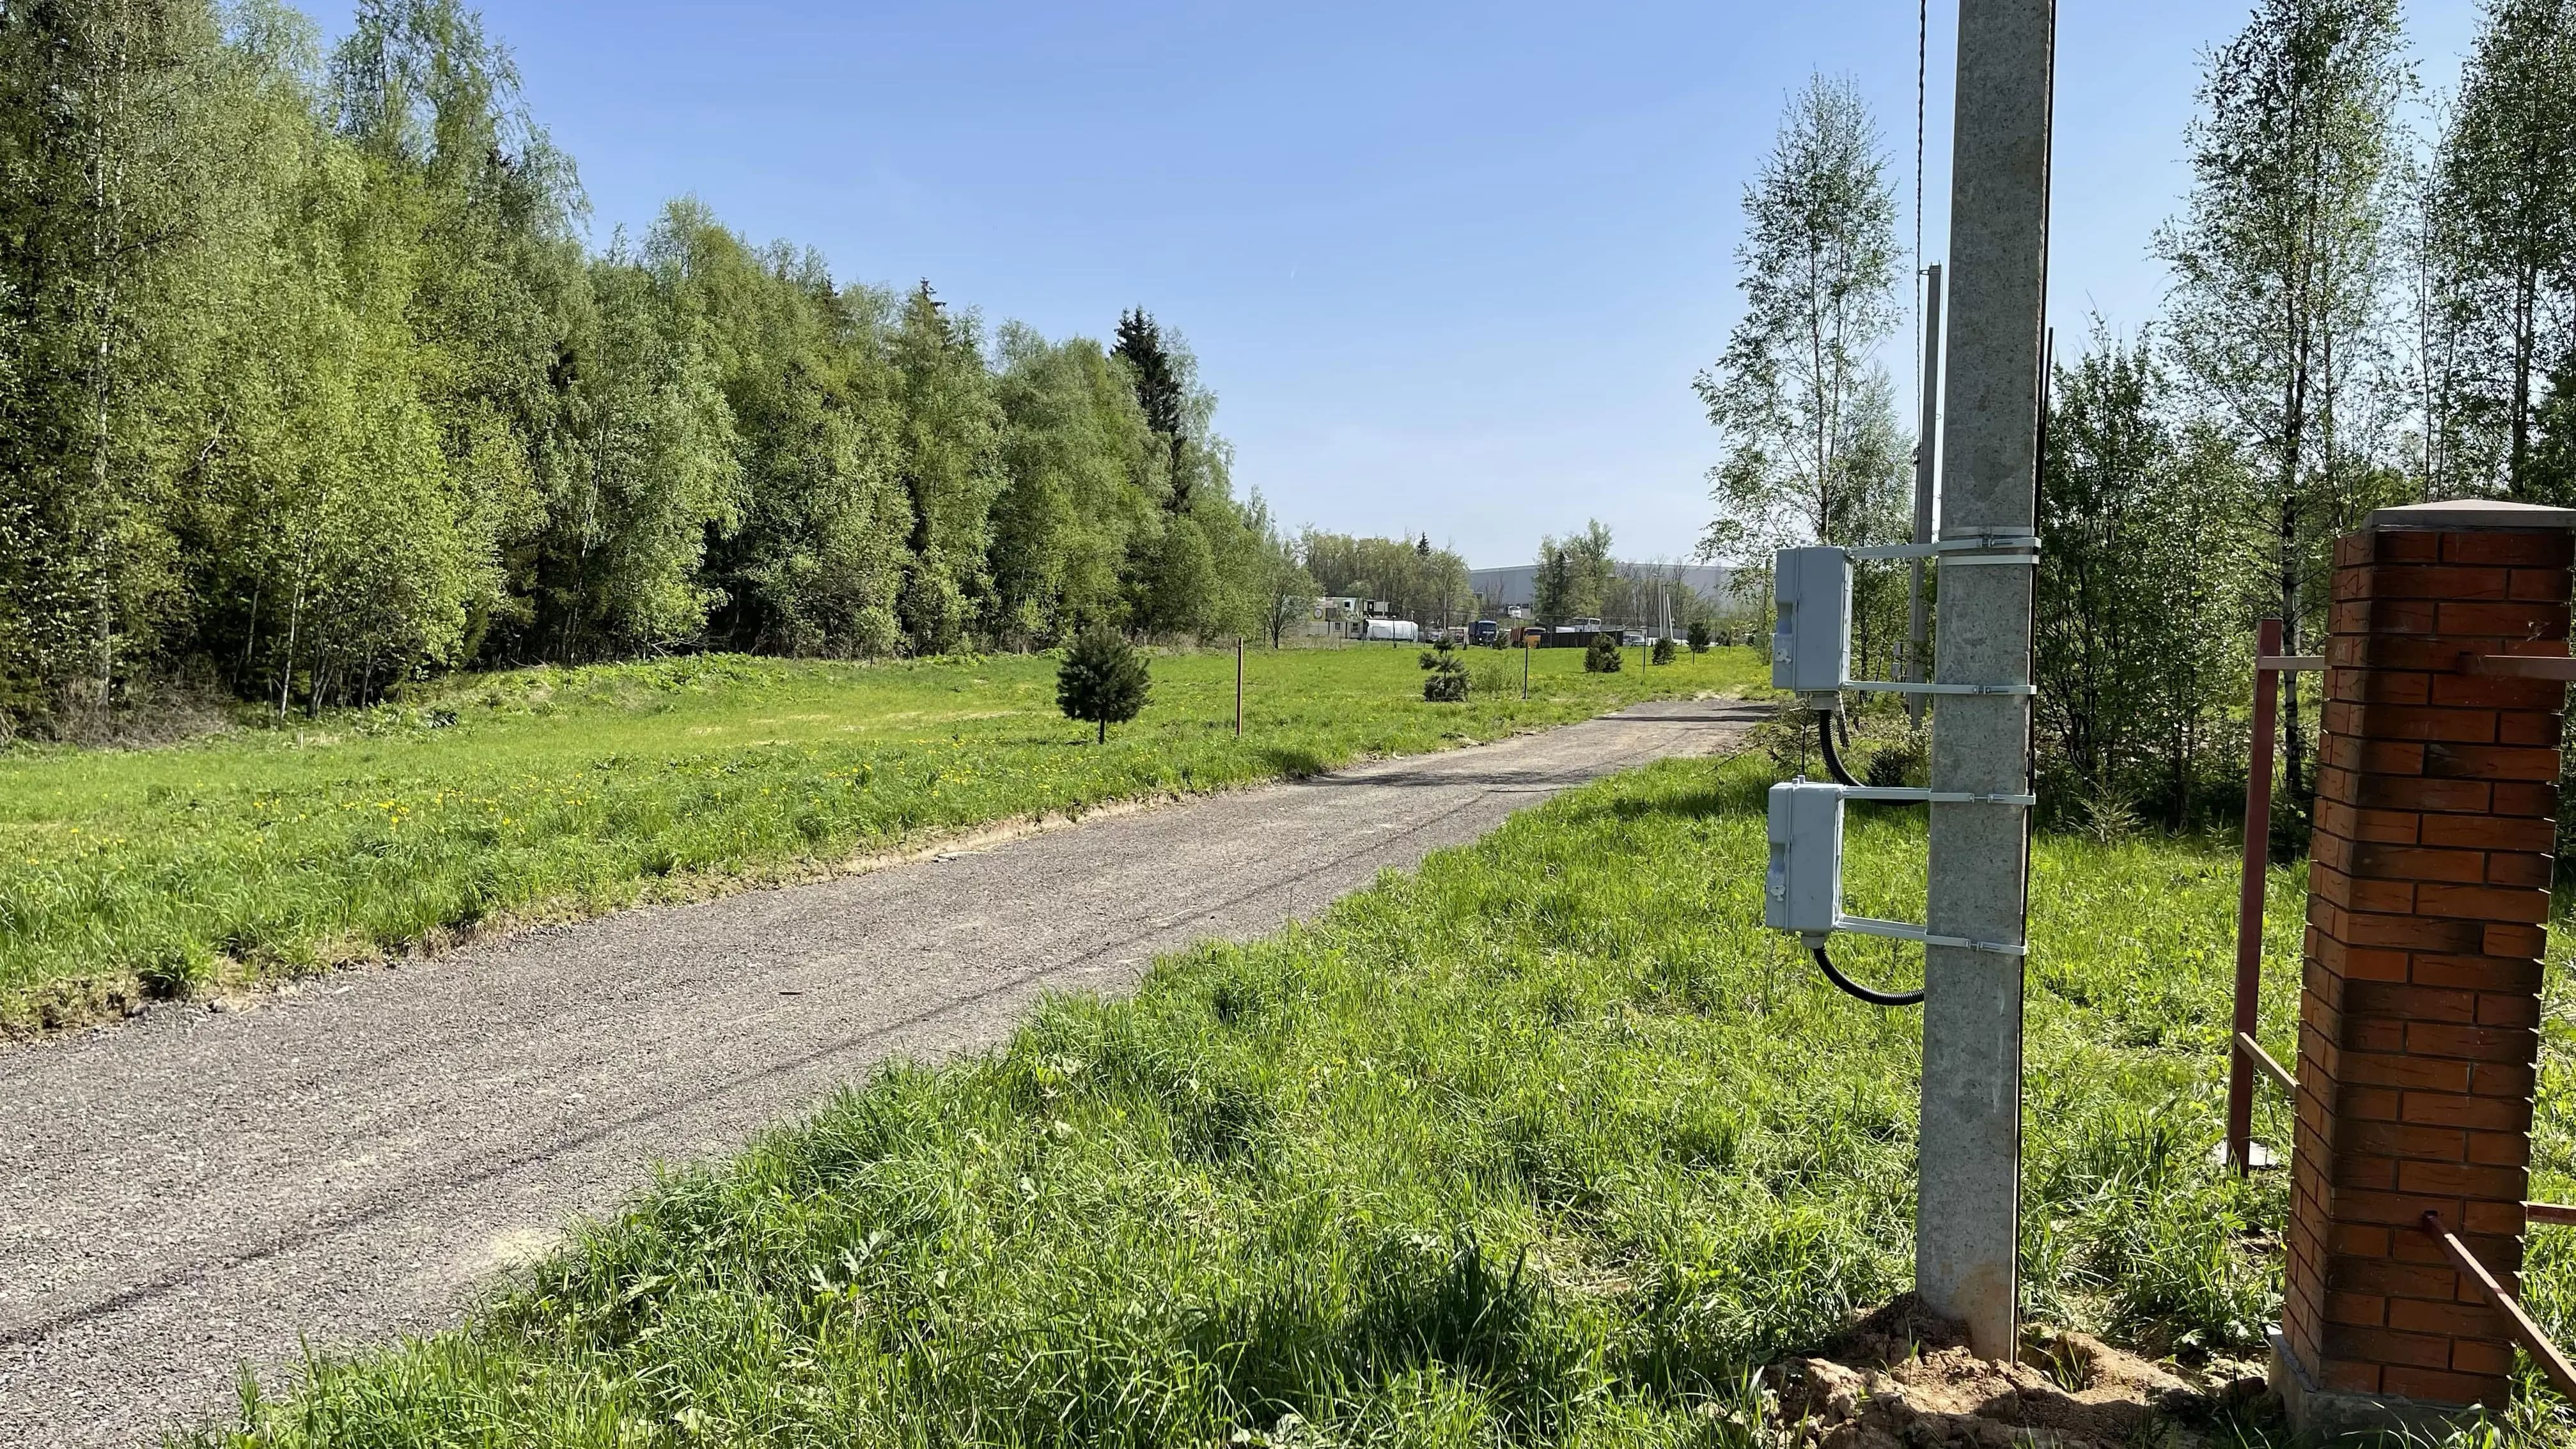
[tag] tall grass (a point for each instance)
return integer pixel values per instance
(1540, 1144)
(568, 792)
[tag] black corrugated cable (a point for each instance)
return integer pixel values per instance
(1850, 987)
(1833, 756)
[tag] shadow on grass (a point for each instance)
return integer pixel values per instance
(1721, 794)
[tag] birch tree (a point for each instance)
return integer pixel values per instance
(2280, 259)
(1803, 409)
(2506, 244)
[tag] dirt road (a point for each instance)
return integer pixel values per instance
(195, 1189)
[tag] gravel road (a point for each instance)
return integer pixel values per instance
(195, 1189)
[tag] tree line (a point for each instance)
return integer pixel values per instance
(309, 384)
(2372, 302)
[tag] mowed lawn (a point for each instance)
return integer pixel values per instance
(1544, 1143)
(550, 792)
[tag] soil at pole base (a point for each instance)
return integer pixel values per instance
(1905, 1378)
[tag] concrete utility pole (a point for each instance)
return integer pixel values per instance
(1968, 1223)
(1926, 449)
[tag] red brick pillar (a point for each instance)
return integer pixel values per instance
(2418, 1025)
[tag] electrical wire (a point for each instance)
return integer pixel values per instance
(1833, 756)
(1853, 988)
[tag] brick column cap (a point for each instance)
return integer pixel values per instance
(2467, 514)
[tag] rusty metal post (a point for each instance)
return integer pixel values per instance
(2249, 894)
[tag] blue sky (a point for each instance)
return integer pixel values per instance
(1449, 269)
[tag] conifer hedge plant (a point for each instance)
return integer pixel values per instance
(1103, 680)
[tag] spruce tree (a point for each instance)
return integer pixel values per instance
(1159, 390)
(1103, 680)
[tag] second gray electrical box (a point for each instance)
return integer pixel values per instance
(1803, 890)
(1811, 643)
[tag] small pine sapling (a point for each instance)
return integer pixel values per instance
(1664, 651)
(1448, 681)
(1602, 655)
(1103, 680)
(1699, 636)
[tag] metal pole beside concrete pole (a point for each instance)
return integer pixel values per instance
(2251, 880)
(1967, 1225)
(1926, 447)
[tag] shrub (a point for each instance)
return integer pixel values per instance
(1103, 680)
(1448, 681)
(1664, 651)
(1699, 636)
(1602, 655)
(1905, 760)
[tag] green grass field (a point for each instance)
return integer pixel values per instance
(1541, 1144)
(548, 793)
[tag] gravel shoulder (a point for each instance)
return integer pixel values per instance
(198, 1190)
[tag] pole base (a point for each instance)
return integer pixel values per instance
(2320, 1416)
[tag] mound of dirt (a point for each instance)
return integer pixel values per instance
(1904, 1378)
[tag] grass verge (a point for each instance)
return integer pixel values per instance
(554, 793)
(1539, 1144)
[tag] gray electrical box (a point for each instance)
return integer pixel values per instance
(1811, 643)
(1803, 890)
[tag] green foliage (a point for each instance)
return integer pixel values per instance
(1603, 655)
(1545, 1143)
(1449, 682)
(317, 393)
(2497, 236)
(2280, 260)
(2139, 629)
(1103, 679)
(572, 791)
(1575, 575)
(1813, 448)
(1160, 392)
(1664, 651)
(1699, 636)
(1285, 590)
(1079, 457)
(1426, 585)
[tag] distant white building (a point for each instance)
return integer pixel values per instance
(1517, 586)
(1346, 616)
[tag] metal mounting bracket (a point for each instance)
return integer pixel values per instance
(1901, 686)
(1909, 795)
(1902, 931)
